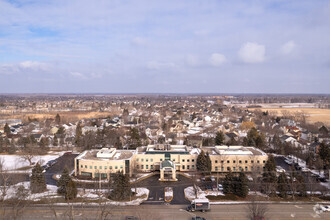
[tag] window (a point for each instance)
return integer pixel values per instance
(188, 167)
(151, 166)
(141, 160)
(240, 168)
(110, 167)
(258, 161)
(258, 168)
(216, 161)
(246, 169)
(252, 168)
(216, 168)
(239, 161)
(246, 161)
(228, 161)
(137, 160)
(252, 161)
(105, 167)
(192, 160)
(81, 166)
(141, 166)
(90, 167)
(228, 168)
(137, 166)
(182, 160)
(161, 159)
(147, 160)
(222, 168)
(121, 166)
(85, 166)
(95, 167)
(147, 166)
(222, 161)
(234, 169)
(173, 159)
(263, 161)
(188, 161)
(100, 167)
(234, 161)
(116, 167)
(151, 160)
(183, 167)
(263, 168)
(193, 166)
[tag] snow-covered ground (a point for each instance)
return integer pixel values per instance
(190, 193)
(13, 162)
(89, 194)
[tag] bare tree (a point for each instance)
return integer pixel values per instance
(256, 210)
(3, 189)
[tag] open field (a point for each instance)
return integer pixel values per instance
(65, 116)
(312, 114)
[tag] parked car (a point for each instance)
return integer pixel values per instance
(67, 153)
(131, 218)
(198, 218)
(212, 178)
(220, 187)
(208, 187)
(280, 169)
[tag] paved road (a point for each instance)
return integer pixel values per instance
(63, 161)
(156, 189)
(176, 212)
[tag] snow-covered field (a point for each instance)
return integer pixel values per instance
(190, 193)
(89, 194)
(13, 162)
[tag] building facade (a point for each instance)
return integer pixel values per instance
(101, 163)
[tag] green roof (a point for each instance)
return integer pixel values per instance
(167, 163)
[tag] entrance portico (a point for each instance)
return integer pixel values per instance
(167, 167)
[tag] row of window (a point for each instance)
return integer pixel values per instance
(147, 160)
(234, 161)
(142, 167)
(101, 167)
(188, 160)
(188, 167)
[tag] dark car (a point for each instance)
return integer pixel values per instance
(131, 218)
(198, 218)
(67, 153)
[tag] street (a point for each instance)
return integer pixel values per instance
(218, 212)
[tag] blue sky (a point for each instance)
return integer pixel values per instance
(123, 46)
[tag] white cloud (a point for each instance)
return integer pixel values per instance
(155, 65)
(78, 75)
(252, 53)
(139, 41)
(217, 59)
(288, 47)
(34, 65)
(192, 60)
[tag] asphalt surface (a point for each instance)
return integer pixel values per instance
(156, 189)
(57, 168)
(173, 212)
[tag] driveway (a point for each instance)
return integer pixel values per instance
(57, 168)
(156, 189)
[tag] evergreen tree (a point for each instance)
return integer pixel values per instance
(242, 188)
(282, 185)
(208, 162)
(121, 187)
(37, 180)
(269, 175)
(71, 190)
(228, 183)
(78, 135)
(324, 153)
(57, 119)
(6, 129)
(61, 130)
(201, 162)
(63, 182)
(219, 138)
(55, 140)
